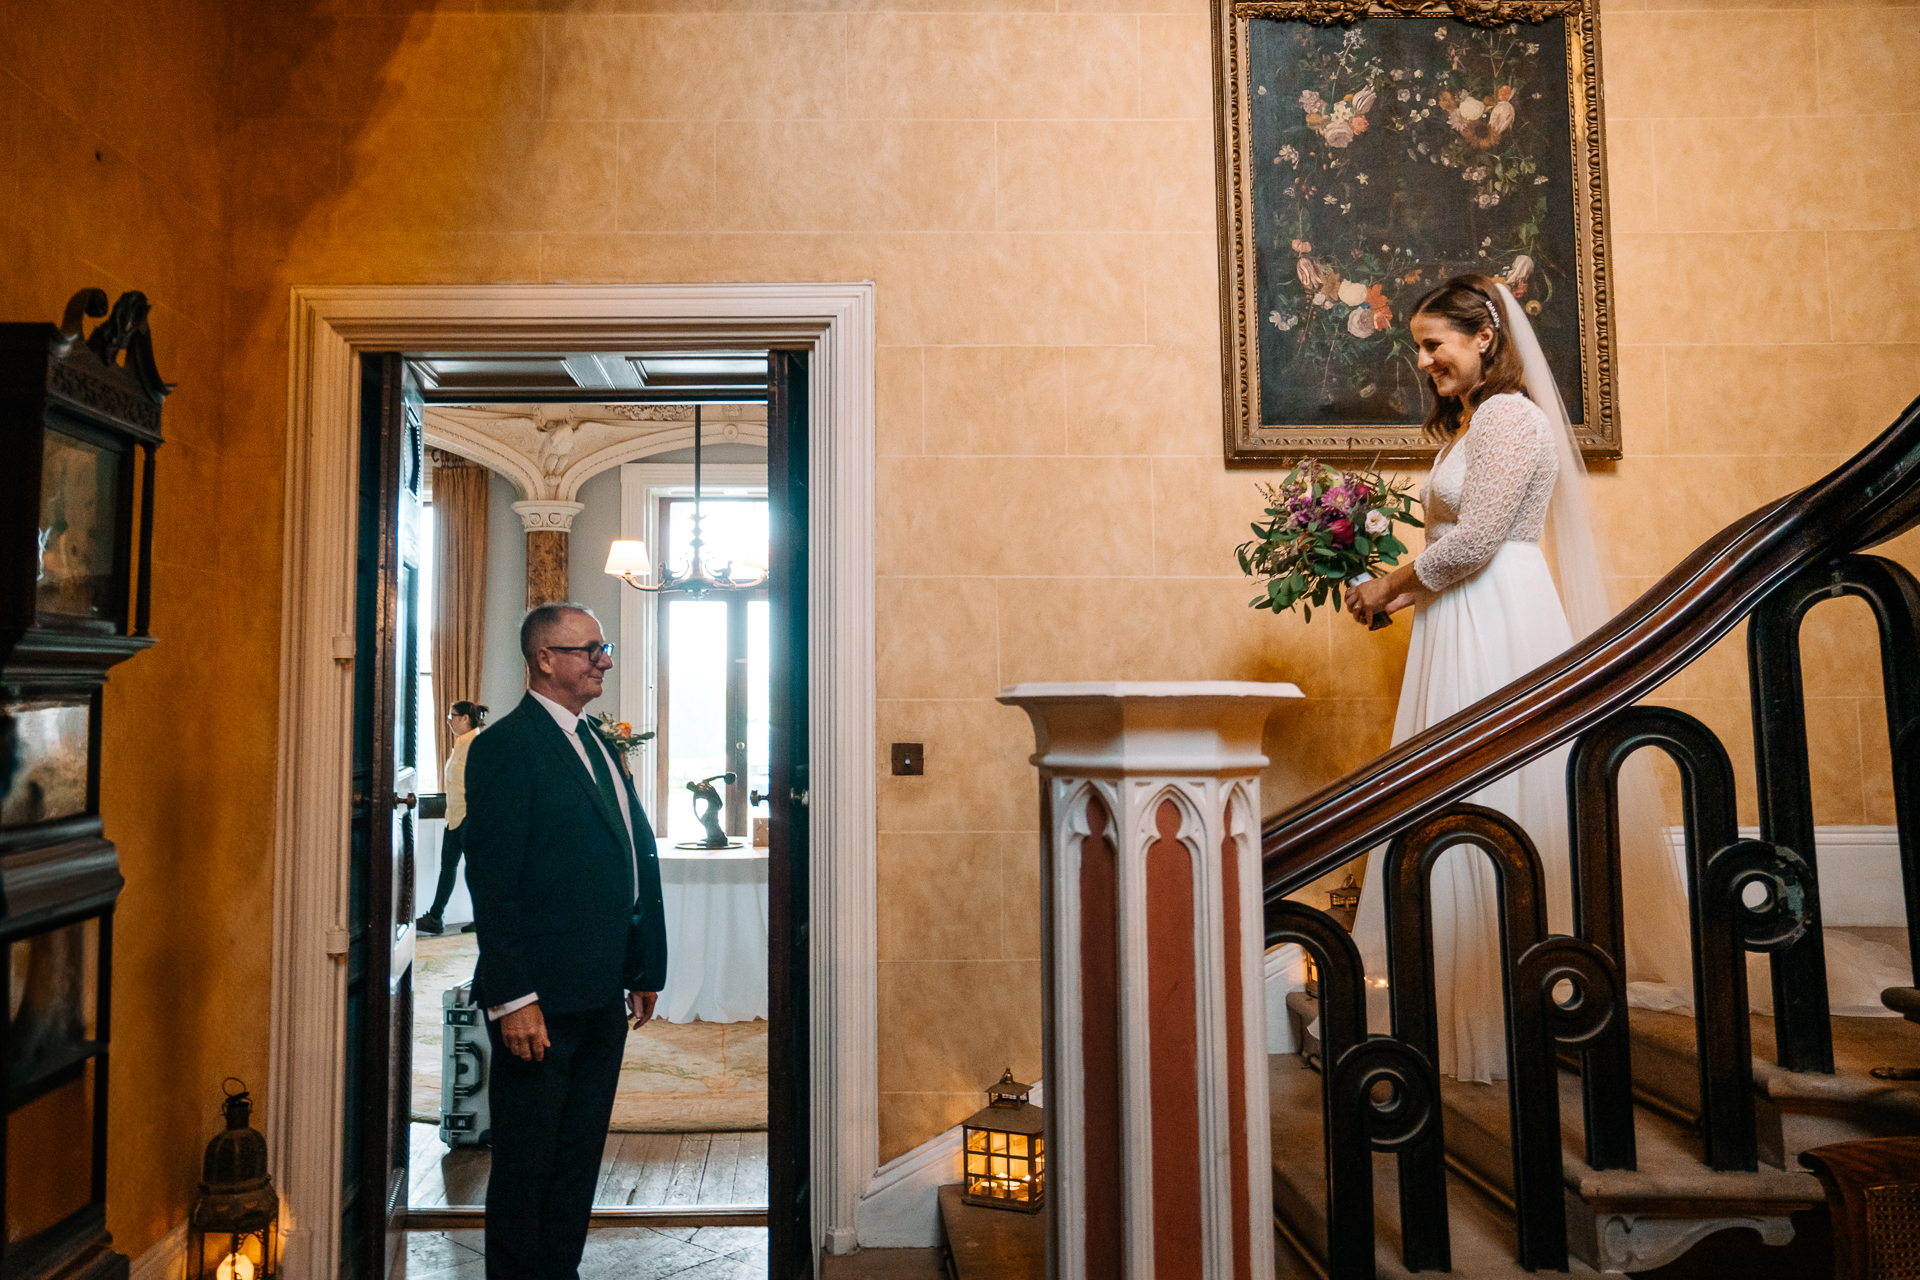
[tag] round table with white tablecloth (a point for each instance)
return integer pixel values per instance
(716, 903)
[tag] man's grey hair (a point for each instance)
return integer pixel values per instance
(540, 622)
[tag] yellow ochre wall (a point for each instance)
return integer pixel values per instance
(1031, 185)
(115, 135)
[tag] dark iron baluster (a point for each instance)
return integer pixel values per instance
(1720, 1028)
(1357, 1123)
(1802, 1034)
(1533, 1090)
(1343, 1024)
(1786, 788)
(1906, 788)
(1727, 929)
(1894, 596)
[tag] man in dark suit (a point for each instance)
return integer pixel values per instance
(566, 899)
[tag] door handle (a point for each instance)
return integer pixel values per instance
(405, 802)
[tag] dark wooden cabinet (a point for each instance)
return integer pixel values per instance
(79, 424)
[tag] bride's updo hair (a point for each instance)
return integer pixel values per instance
(1471, 304)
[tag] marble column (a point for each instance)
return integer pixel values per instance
(548, 525)
(1155, 1014)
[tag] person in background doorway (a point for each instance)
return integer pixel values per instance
(465, 720)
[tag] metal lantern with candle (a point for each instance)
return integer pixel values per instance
(1006, 1150)
(1343, 903)
(236, 1216)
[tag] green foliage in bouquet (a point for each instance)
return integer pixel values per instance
(1324, 529)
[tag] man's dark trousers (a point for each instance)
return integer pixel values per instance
(550, 1123)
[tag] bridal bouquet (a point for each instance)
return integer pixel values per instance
(1325, 529)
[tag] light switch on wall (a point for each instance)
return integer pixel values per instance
(909, 760)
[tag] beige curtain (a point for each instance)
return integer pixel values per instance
(460, 588)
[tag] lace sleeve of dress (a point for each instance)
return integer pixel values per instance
(1502, 454)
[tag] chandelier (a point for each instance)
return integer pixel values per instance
(627, 559)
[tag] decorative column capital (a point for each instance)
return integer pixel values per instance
(550, 516)
(1159, 728)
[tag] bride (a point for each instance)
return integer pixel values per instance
(1486, 613)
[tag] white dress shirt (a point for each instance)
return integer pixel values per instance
(570, 725)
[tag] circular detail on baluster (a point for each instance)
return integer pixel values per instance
(1576, 983)
(1770, 888)
(1394, 1088)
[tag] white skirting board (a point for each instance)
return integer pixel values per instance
(900, 1208)
(1859, 887)
(166, 1260)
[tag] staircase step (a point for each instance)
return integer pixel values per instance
(1796, 1111)
(1617, 1219)
(1482, 1231)
(991, 1244)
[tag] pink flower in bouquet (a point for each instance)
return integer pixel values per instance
(1342, 531)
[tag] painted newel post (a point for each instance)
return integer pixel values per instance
(1155, 1051)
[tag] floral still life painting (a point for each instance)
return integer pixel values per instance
(1324, 529)
(1376, 159)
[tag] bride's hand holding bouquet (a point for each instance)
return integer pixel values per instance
(1327, 536)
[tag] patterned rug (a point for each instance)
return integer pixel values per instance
(690, 1077)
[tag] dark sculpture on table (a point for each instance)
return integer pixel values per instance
(707, 805)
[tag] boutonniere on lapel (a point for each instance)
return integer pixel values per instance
(619, 735)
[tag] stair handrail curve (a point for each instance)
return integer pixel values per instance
(1871, 498)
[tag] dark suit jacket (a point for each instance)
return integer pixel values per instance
(552, 880)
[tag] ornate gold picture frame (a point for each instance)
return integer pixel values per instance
(1368, 151)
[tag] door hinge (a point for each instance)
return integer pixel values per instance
(337, 941)
(798, 796)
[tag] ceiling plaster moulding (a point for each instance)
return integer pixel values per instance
(549, 450)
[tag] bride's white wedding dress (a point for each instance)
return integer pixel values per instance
(1489, 613)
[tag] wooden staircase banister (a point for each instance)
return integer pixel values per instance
(1874, 496)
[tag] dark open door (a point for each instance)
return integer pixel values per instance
(789, 1144)
(386, 743)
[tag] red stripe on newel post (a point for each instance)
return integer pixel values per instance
(1155, 1056)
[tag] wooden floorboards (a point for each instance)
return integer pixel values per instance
(679, 1171)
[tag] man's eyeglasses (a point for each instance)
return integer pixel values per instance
(592, 651)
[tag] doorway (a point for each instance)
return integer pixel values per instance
(814, 1184)
(691, 681)
(405, 1167)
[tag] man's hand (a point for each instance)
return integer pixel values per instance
(525, 1031)
(640, 1008)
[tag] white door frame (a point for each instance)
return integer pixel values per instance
(330, 327)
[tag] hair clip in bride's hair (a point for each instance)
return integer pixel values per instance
(1493, 313)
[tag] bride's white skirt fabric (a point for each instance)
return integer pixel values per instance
(1468, 642)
